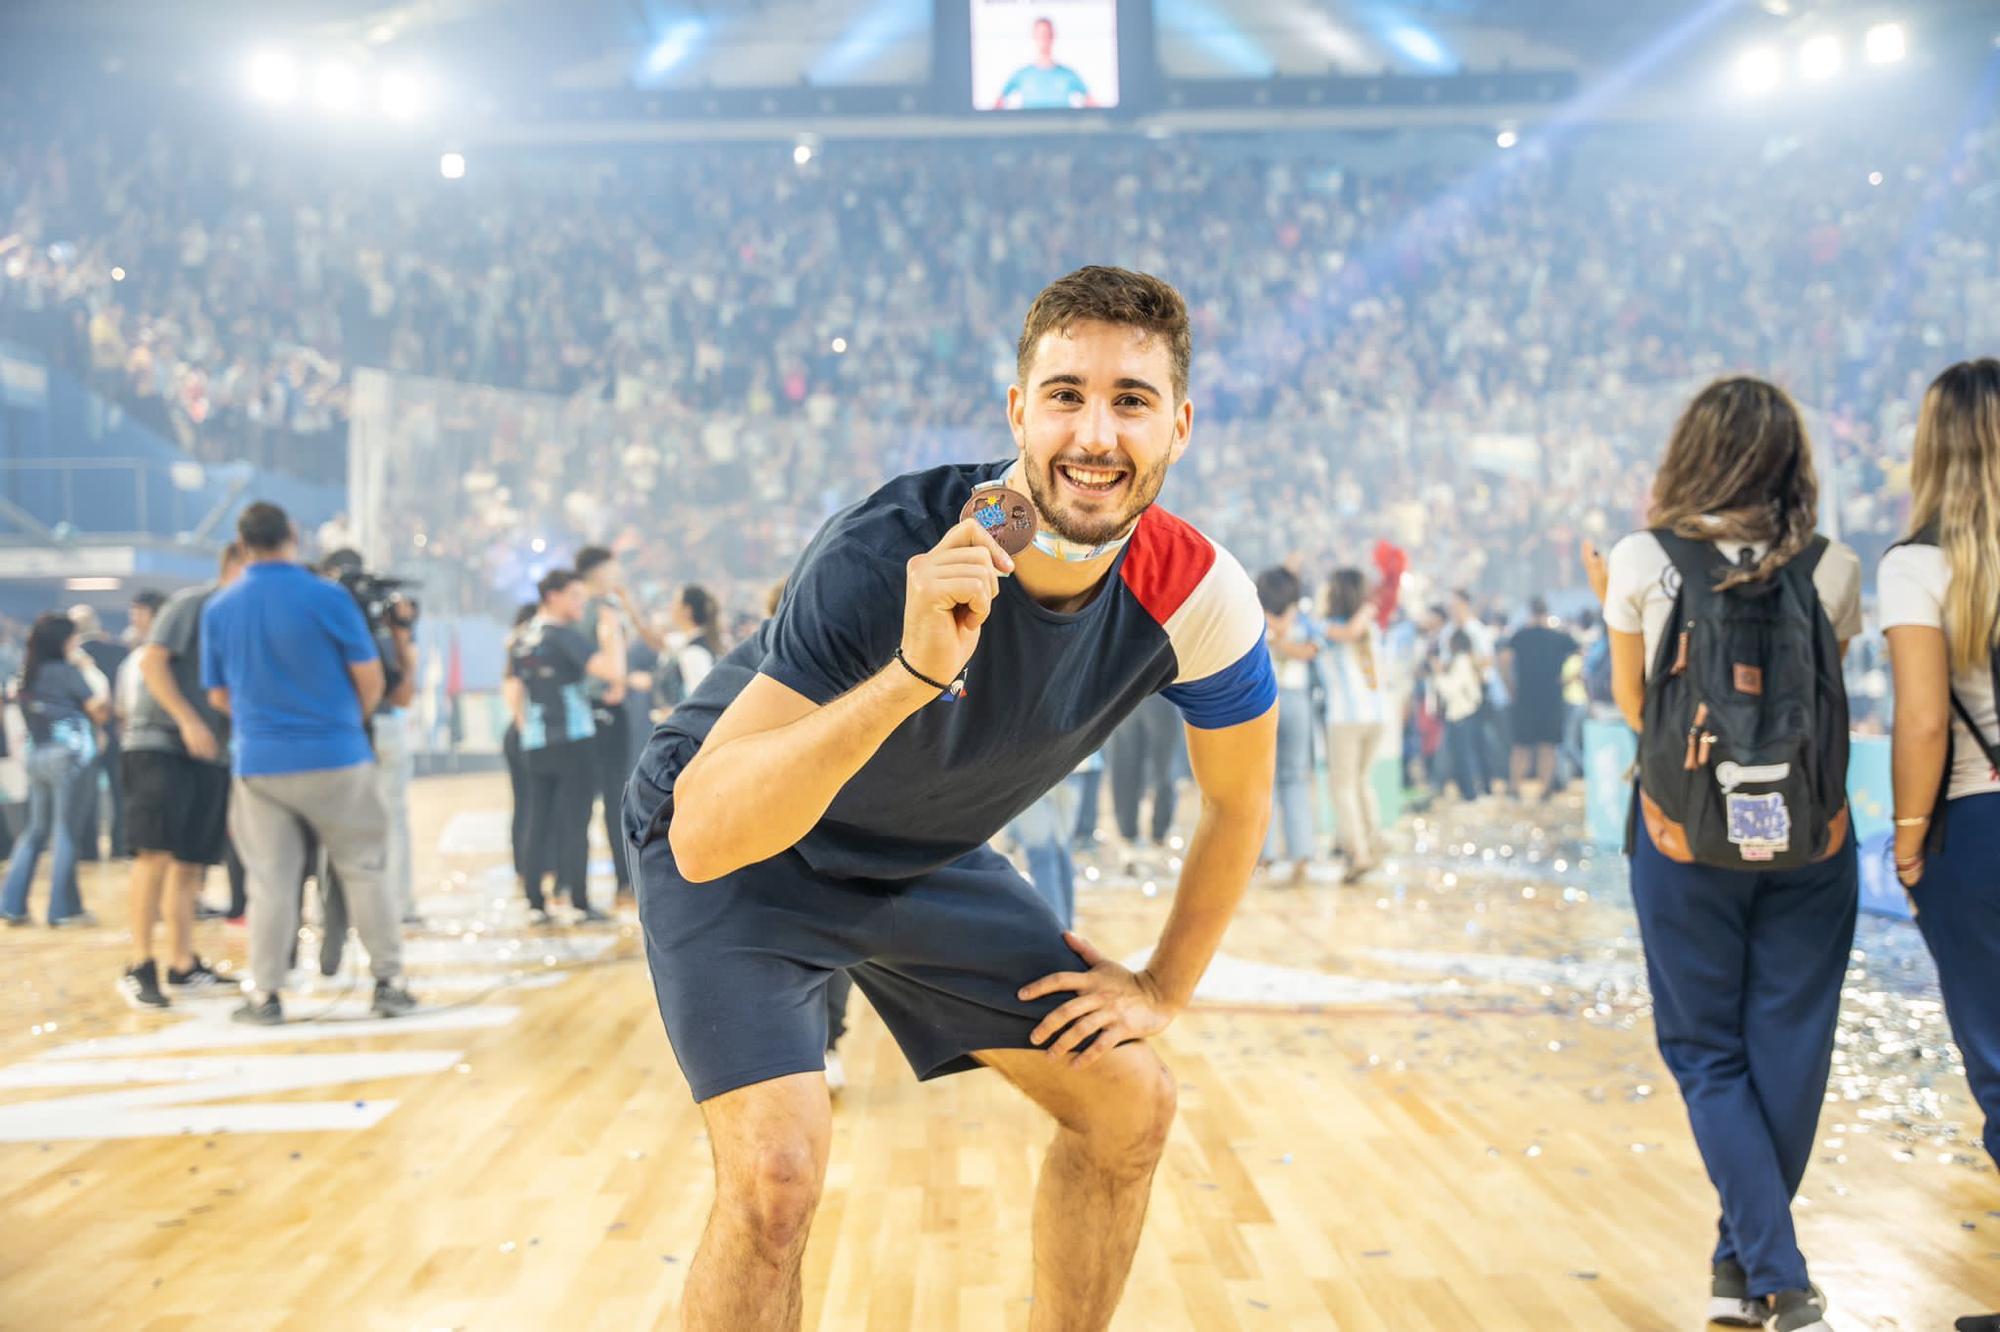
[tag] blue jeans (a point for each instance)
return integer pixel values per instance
(1745, 969)
(55, 786)
(1958, 910)
(1569, 758)
(1086, 782)
(1463, 756)
(1042, 831)
(1292, 790)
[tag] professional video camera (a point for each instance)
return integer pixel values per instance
(384, 604)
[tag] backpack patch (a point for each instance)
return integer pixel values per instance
(1759, 825)
(1749, 679)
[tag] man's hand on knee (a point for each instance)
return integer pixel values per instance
(1113, 1003)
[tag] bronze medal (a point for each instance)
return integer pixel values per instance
(1006, 515)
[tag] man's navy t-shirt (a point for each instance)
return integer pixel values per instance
(280, 641)
(1044, 690)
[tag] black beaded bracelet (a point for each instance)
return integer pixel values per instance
(941, 688)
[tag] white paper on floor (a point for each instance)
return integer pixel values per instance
(1232, 980)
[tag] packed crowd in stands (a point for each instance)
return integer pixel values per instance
(1467, 362)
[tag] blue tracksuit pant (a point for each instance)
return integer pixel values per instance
(1745, 970)
(1958, 910)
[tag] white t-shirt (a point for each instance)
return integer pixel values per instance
(1643, 583)
(695, 662)
(1353, 674)
(1910, 587)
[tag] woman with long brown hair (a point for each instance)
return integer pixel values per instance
(1745, 963)
(1939, 593)
(62, 706)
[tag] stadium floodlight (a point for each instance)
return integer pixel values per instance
(337, 87)
(400, 94)
(273, 77)
(802, 154)
(1820, 57)
(1506, 138)
(1758, 71)
(1885, 44)
(452, 166)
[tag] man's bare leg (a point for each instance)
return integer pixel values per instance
(186, 881)
(770, 1142)
(149, 876)
(1112, 1121)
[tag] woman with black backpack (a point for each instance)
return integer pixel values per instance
(1939, 593)
(1727, 620)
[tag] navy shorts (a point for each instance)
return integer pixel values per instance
(740, 965)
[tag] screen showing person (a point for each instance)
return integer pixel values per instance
(1044, 55)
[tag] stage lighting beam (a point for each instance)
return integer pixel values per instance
(400, 94)
(1820, 57)
(1758, 71)
(1886, 43)
(273, 77)
(337, 88)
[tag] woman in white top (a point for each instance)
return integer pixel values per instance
(694, 617)
(1940, 605)
(1355, 714)
(1745, 965)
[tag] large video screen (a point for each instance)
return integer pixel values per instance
(1044, 55)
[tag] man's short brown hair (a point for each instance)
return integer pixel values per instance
(1111, 296)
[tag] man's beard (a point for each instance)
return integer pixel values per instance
(1085, 529)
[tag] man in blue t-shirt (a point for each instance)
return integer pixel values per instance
(1043, 85)
(823, 801)
(288, 656)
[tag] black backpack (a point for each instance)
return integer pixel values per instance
(1991, 748)
(1743, 760)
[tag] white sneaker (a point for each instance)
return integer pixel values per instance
(836, 1074)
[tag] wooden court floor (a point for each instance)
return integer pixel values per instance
(1427, 1102)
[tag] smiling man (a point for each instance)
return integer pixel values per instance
(822, 801)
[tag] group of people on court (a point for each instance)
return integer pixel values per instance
(820, 806)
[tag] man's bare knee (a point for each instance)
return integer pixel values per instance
(1124, 1127)
(772, 1195)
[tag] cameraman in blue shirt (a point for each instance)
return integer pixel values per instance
(288, 655)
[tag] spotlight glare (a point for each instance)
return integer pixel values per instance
(1758, 71)
(337, 87)
(401, 95)
(452, 166)
(1820, 57)
(1886, 44)
(1874, 178)
(802, 154)
(272, 77)
(117, 275)
(839, 346)
(1506, 138)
